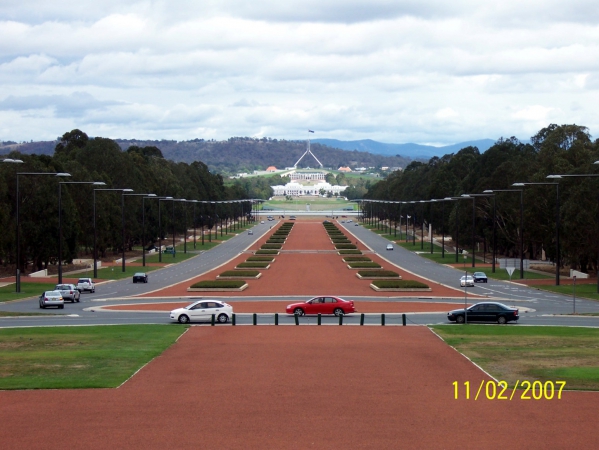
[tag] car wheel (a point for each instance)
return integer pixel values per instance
(183, 319)
(338, 312)
(42, 305)
(298, 311)
(93, 291)
(60, 306)
(459, 319)
(501, 320)
(223, 318)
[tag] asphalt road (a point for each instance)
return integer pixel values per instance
(538, 307)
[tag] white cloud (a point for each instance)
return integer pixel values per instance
(394, 71)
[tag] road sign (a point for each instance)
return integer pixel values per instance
(510, 271)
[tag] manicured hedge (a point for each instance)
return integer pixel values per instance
(240, 273)
(378, 273)
(357, 258)
(253, 265)
(267, 252)
(340, 241)
(364, 265)
(345, 247)
(275, 241)
(271, 246)
(222, 284)
(399, 284)
(350, 252)
(260, 259)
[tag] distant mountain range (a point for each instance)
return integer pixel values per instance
(411, 151)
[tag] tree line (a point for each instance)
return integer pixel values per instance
(142, 169)
(554, 150)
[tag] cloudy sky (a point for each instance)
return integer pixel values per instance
(423, 71)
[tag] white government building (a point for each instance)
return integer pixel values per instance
(296, 189)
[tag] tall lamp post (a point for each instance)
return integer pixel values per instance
(493, 191)
(589, 175)
(95, 183)
(143, 227)
(123, 220)
(163, 199)
(557, 252)
(473, 197)
(95, 229)
(18, 271)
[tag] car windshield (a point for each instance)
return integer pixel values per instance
(139, 274)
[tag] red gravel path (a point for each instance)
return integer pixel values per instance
(294, 388)
(299, 270)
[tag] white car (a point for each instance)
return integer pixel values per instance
(51, 298)
(467, 281)
(203, 310)
(86, 284)
(389, 246)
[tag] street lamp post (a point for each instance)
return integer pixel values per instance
(160, 227)
(586, 175)
(18, 271)
(143, 220)
(473, 197)
(95, 230)
(557, 251)
(95, 183)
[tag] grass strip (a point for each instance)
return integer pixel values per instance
(512, 352)
(79, 357)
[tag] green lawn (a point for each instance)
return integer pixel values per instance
(28, 290)
(79, 357)
(588, 291)
(513, 352)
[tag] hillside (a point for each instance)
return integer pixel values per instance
(241, 154)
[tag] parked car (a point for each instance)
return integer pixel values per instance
(466, 281)
(389, 246)
(485, 312)
(86, 284)
(203, 310)
(68, 292)
(51, 298)
(170, 250)
(322, 305)
(140, 277)
(479, 277)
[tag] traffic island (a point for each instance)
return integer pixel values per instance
(399, 286)
(218, 286)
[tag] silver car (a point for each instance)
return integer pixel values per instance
(51, 298)
(69, 292)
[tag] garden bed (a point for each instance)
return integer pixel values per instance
(252, 265)
(364, 265)
(266, 252)
(378, 275)
(349, 259)
(260, 259)
(349, 252)
(218, 285)
(399, 286)
(232, 274)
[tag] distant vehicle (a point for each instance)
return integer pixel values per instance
(86, 284)
(467, 281)
(250, 231)
(322, 305)
(291, 217)
(484, 312)
(356, 224)
(203, 310)
(262, 221)
(68, 292)
(389, 246)
(51, 298)
(479, 277)
(140, 277)
(170, 250)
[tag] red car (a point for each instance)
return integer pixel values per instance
(322, 305)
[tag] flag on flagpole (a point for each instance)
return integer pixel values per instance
(310, 131)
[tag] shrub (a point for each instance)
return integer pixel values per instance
(260, 258)
(378, 273)
(356, 258)
(350, 252)
(253, 265)
(345, 247)
(271, 246)
(240, 273)
(222, 284)
(399, 284)
(364, 265)
(267, 252)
